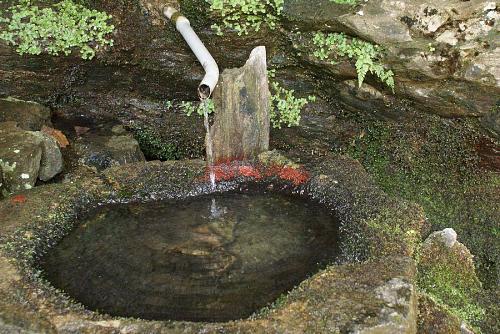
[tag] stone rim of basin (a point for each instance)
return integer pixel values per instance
(375, 290)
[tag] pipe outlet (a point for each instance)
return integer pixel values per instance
(207, 85)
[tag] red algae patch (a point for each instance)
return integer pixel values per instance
(230, 170)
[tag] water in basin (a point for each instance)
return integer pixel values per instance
(188, 260)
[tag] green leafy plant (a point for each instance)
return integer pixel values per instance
(189, 107)
(56, 29)
(285, 107)
(367, 55)
(244, 16)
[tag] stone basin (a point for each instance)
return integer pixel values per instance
(370, 290)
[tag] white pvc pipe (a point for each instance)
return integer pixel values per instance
(211, 77)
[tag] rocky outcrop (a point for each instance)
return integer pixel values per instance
(444, 55)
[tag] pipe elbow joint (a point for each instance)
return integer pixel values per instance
(207, 85)
(210, 80)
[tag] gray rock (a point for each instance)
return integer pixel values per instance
(28, 115)
(448, 37)
(491, 121)
(241, 127)
(124, 149)
(314, 14)
(425, 44)
(377, 25)
(485, 69)
(105, 150)
(20, 155)
(399, 312)
(26, 156)
(448, 237)
(51, 163)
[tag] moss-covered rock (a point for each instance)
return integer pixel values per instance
(436, 318)
(447, 275)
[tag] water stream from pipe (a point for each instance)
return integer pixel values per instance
(209, 143)
(215, 211)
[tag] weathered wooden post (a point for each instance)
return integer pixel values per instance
(241, 127)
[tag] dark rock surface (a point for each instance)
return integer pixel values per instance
(150, 61)
(105, 149)
(28, 115)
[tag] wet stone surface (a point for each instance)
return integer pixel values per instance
(211, 258)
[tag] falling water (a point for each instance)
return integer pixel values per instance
(209, 143)
(215, 211)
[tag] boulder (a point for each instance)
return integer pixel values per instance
(105, 150)
(51, 163)
(26, 156)
(448, 278)
(124, 149)
(20, 155)
(28, 115)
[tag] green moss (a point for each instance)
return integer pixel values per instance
(393, 230)
(435, 163)
(345, 2)
(448, 288)
(197, 13)
(268, 309)
(153, 147)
